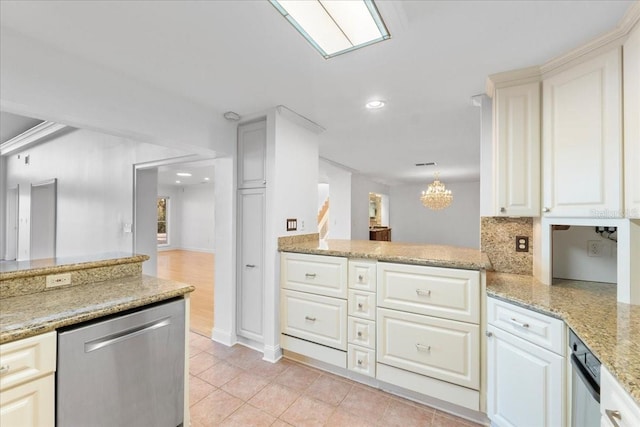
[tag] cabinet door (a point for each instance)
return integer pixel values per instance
(582, 139)
(517, 150)
(30, 404)
(250, 273)
(631, 51)
(252, 143)
(525, 383)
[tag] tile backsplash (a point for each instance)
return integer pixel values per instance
(498, 241)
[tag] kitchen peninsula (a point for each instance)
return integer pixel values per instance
(92, 288)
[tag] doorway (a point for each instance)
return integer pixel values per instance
(13, 214)
(43, 220)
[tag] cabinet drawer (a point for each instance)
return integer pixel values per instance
(361, 332)
(362, 304)
(362, 275)
(31, 404)
(537, 328)
(26, 359)
(322, 275)
(439, 348)
(319, 319)
(441, 292)
(361, 360)
(614, 398)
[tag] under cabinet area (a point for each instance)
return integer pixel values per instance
(27, 381)
(525, 367)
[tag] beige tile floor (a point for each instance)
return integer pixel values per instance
(235, 387)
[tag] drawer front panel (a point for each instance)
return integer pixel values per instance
(537, 328)
(361, 360)
(362, 275)
(361, 332)
(439, 348)
(441, 292)
(362, 304)
(26, 359)
(322, 275)
(315, 318)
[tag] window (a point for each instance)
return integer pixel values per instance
(163, 220)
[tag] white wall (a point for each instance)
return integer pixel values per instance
(570, 259)
(361, 186)
(46, 83)
(457, 225)
(95, 188)
(198, 218)
(339, 181)
(487, 205)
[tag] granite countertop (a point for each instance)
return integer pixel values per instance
(609, 328)
(29, 315)
(405, 253)
(21, 269)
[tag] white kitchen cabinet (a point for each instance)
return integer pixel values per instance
(27, 386)
(525, 379)
(582, 139)
(250, 268)
(252, 146)
(631, 54)
(516, 149)
(617, 407)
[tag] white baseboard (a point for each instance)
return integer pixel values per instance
(223, 337)
(272, 353)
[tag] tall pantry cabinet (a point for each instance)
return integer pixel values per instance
(631, 77)
(250, 272)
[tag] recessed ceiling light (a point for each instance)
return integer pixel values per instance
(183, 174)
(372, 105)
(336, 26)
(206, 179)
(177, 182)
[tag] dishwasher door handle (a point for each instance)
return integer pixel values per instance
(123, 335)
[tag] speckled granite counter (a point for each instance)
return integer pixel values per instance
(610, 329)
(27, 315)
(405, 253)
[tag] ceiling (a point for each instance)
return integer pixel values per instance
(245, 57)
(12, 125)
(201, 174)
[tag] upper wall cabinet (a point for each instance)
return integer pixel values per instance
(582, 139)
(631, 52)
(516, 141)
(252, 143)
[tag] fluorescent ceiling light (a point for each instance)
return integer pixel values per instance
(335, 26)
(183, 174)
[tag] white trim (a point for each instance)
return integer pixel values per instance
(223, 337)
(512, 78)
(30, 137)
(299, 119)
(272, 353)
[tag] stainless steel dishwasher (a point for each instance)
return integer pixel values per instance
(126, 370)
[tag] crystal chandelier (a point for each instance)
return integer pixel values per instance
(436, 197)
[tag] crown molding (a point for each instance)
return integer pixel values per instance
(512, 78)
(608, 40)
(299, 119)
(30, 137)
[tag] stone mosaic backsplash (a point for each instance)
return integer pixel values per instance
(498, 241)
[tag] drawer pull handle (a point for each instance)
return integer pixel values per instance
(250, 266)
(310, 319)
(421, 347)
(522, 325)
(310, 275)
(360, 362)
(422, 292)
(360, 278)
(489, 334)
(4, 369)
(359, 334)
(360, 306)
(613, 416)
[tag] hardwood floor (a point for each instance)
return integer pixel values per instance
(194, 268)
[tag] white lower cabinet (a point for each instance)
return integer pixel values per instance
(27, 386)
(525, 381)
(617, 407)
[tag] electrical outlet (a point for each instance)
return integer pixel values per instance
(595, 248)
(522, 244)
(54, 280)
